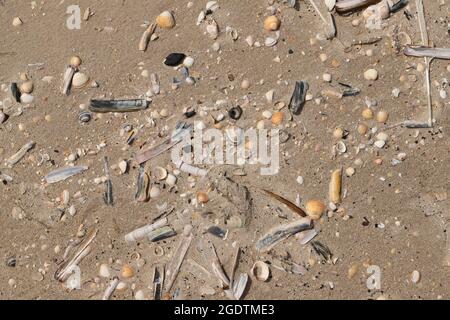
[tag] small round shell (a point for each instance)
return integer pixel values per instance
(261, 271)
(80, 80)
(165, 20)
(341, 147)
(75, 61)
(160, 173)
(84, 117)
(272, 23)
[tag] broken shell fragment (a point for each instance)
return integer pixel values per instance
(261, 271)
(17, 22)
(213, 30)
(272, 23)
(165, 20)
(278, 118)
(335, 187)
(160, 173)
(315, 209)
(79, 80)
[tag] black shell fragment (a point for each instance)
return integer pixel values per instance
(15, 91)
(298, 97)
(174, 59)
(235, 113)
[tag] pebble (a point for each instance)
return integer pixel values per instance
(2, 117)
(323, 57)
(420, 67)
(338, 133)
(300, 180)
(362, 129)
(139, 295)
(188, 62)
(267, 114)
(155, 192)
(382, 136)
(380, 144)
(145, 73)
(104, 271)
(382, 116)
(326, 77)
(245, 84)
(26, 98)
(123, 166)
(367, 114)
(371, 75)
(12, 282)
(356, 22)
(395, 92)
(350, 171)
(17, 213)
(72, 210)
(216, 46)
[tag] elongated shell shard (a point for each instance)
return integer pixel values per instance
(145, 39)
(421, 51)
(20, 154)
(141, 233)
(161, 234)
(104, 106)
(279, 233)
(64, 173)
(349, 5)
(298, 97)
(67, 79)
(335, 186)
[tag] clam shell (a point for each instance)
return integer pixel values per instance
(160, 173)
(165, 20)
(79, 80)
(212, 6)
(272, 23)
(213, 30)
(84, 117)
(26, 87)
(270, 42)
(341, 147)
(261, 271)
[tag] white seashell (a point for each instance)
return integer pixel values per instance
(104, 271)
(123, 166)
(79, 80)
(17, 22)
(155, 192)
(330, 4)
(26, 98)
(250, 41)
(2, 117)
(380, 144)
(382, 136)
(72, 210)
(341, 147)
(270, 42)
(201, 17)
(139, 295)
(306, 236)
(371, 75)
(269, 96)
(171, 180)
(415, 276)
(267, 114)
(188, 62)
(212, 6)
(121, 286)
(261, 271)
(160, 173)
(216, 46)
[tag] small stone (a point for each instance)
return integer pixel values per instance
(323, 57)
(245, 84)
(17, 213)
(104, 271)
(188, 62)
(382, 136)
(420, 67)
(216, 46)
(415, 277)
(72, 210)
(300, 180)
(401, 156)
(395, 92)
(443, 94)
(139, 295)
(326, 77)
(380, 144)
(267, 114)
(356, 22)
(123, 166)
(145, 73)
(371, 75)
(350, 171)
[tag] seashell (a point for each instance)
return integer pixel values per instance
(26, 87)
(160, 173)
(272, 23)
(367, 114)
(171, 180)
(213, 30)
(75, 61)
(79, 80)
(261, 271)
(341, 147)
(382, 116)
(202, 197)
(267, 114)
(26, 98)
(174, 59)
(104, 271)
(2, 117)
(250, 41)
(158, 251)
(139, 295)
(270, 42)
(17, 22)
(362, 129)
(188, 62)
(212, 6)
(84, 116)
(269, 95)
(127, 271)
(306, 236)
(235, 113)
(415, 276)
(380, 144)
(64, 173)
(382, 136)
(315, 209)
(161, 234)
(278, 118)
(338, 133)
(123, 166)
(245, 84)
(335, 187)
(371, 75)
(165, 20)
(330, 4)
(232, 33)
(201, 17)
(155, 192)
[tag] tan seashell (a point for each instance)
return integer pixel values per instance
(335, 186)
(338, 133)
(272, 23)
(75, 61)
(277, 118)
(315, 209)
(362, 129)
(261, 271)
(202, 197)
(79, 80)
(367, 114)
(165, 20)
(160, 173)
(213, 30)
(26, 87)
(127, 271)
(382, 116)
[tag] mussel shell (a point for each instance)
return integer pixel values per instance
(15, 91)
(174, 59)
(84, 116)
